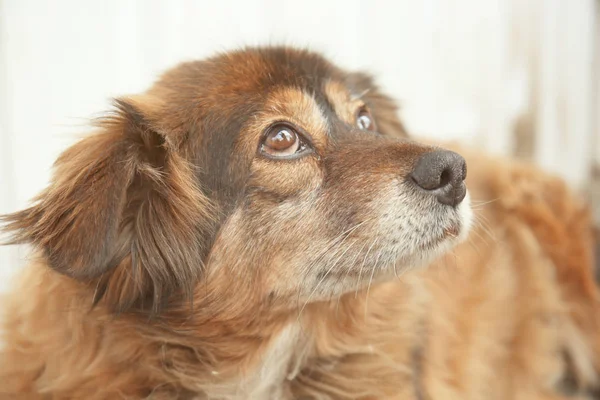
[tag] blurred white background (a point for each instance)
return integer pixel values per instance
(514, 76)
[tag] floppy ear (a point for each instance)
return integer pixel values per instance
(123, 212)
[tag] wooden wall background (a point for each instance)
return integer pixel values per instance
(514, 77)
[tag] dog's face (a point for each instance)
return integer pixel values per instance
(264, 168)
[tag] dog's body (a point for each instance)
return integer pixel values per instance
(191, 251)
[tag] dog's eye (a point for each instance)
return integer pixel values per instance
(364, 120)
(282, 141)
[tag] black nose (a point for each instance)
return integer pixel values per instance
(442, 173)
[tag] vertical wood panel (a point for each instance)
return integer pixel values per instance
(8, 255)
(595, 167)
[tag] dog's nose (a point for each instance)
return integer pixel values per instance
(442, 173)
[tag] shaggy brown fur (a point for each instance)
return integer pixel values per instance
(175, 259)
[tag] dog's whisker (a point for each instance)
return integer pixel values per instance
(475, 246)
(335, 241)
(373, 268)
(348, 270)
(333, 245)
(347, 234)
(475, 203)
(359, 281)
(480, 222)
(334, 248)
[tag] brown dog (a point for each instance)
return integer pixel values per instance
(237, 232)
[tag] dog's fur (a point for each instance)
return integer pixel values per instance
(174, 260)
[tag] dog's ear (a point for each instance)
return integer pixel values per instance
(123, 212)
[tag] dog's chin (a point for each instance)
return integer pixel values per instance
(454, 233)
(451, 227)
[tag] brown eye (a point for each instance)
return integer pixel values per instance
(364, 120)
(282, 141)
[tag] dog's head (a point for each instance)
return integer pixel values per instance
(266, 171)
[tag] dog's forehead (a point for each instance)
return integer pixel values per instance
(284, 67)
(249, 75)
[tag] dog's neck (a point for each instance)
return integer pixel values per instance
(252, 351)
(257, 355)
(270, 372)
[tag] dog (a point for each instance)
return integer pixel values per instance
(257, 225)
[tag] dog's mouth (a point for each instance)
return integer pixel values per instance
(441, 231)
(449, 234)
(452, 231)
(393, 251)
(449, 237)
